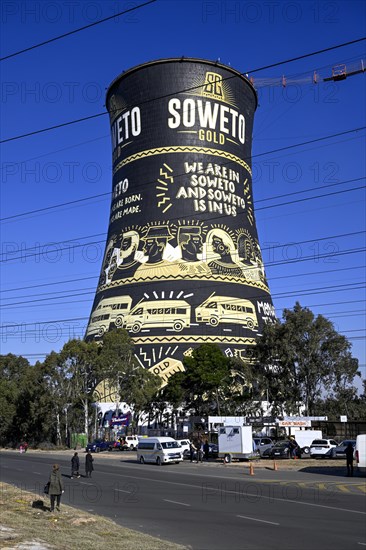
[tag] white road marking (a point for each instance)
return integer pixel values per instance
(255, 519)
(37, 473)
(269, 497)
(175, 502)
(123, 491)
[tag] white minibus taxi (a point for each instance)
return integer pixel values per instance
(173, 314)
(109, 310)
(159, 450)
(226, 309)
(360, 453)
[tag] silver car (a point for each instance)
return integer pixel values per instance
(262, 444)
(340, 450)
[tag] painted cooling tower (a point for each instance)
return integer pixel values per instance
(182, 263)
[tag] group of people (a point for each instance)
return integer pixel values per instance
(55, 483)
(75, 465)
(199, 450)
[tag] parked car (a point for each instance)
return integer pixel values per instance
(213, 450)
(282, 449)
(185, 444)
(321, 448)
(340, 450)
(262, 444)
(98, 445)
(131, 442)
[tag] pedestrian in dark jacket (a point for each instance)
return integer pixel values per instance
(75, 466)
(89, 464)
(55, 487)
(349, 459)
(206, 449)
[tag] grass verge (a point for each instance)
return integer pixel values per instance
(70, 529)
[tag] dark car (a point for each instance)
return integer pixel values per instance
(340, 450)
(213, 450)
(98, 445)
(282, 449)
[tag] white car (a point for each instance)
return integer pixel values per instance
(185, 444)
(131, 442)
(321, 448)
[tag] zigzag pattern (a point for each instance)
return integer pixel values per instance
(217, 278)
(182, 149)
(193, 340)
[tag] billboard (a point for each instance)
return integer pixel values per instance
(182, 263)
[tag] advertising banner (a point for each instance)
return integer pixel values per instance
(182, 263)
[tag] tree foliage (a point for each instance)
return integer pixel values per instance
(134, 384)
(202, 385)
(303, 357)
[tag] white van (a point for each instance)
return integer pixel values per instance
(226, 309)
(109, 310)
(174, 314)
(159, 450)
(360, 453)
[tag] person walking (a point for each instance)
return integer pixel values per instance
(349, 459)
(75, 466)
(199, 446)
(89, 464)
(206, 449)
(192, 450)
(294, 447)
(56, 488)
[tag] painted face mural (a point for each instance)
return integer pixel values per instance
(182, 264)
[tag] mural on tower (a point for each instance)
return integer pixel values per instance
(182, 263)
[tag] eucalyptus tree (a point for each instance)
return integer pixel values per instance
(78, 362)
(134, 384)
(303, 357)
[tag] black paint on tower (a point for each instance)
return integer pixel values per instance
(182, 263)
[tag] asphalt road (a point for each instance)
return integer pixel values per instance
(207, 506)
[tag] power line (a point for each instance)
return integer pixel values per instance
(339, 236)
(92, 290)
(305, 292)
(47, 208)
(54, 206)
(50, 284)
(315, 272)
(311, 198)
(68, 123)
(306, 55)
(56, 321)
(214, 217)
(96, 277)
(76, 30)
(307, 190)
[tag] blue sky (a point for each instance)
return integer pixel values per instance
(51, 259)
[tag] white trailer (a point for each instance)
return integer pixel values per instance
(236, 442)
(304, 438)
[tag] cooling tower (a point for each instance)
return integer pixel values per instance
(182, 263)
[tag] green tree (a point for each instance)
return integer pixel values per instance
(11, 381)
(134, 384)
(203, 384)
(24, 403)
(79, 363)
(302, 357)
(59, 384)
